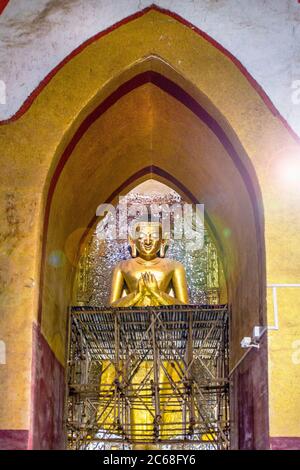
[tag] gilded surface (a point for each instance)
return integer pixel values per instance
(31, 148)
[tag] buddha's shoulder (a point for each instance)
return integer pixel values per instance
(172, 263)
(125, 263)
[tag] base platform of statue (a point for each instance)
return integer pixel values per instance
(148, 377)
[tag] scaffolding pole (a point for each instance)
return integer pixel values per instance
(184, 390)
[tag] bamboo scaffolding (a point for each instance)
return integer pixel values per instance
(187, 344)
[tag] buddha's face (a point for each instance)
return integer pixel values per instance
(148, 239)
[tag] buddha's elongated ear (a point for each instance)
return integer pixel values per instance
(133, 247)
(132, 235)
(163, 246)
(162, 250)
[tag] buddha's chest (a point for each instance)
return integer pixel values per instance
(162, 273)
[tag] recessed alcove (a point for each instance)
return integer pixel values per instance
(150, 132)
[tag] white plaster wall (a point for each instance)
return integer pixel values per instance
(35, 35)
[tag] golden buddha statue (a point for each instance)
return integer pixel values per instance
(148, 279)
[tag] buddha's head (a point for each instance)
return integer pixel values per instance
(147, 240)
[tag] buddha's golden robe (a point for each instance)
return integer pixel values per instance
(171, 290)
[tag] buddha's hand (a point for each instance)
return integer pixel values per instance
(150, 283)
(141, 288)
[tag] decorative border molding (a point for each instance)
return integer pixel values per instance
(258, 88)
(3, 5)
(14, 439)
(285, 443)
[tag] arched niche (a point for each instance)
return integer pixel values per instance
(149, 130)
(96, 257)
(177, 108)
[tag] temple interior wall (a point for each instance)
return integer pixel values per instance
(124, 139)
